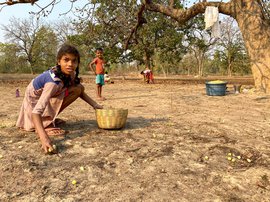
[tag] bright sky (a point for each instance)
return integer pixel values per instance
(22, 11)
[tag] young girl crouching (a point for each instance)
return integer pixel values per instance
(50, 93)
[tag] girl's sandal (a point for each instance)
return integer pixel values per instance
(55, 132)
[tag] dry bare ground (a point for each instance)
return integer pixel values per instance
(175, 147)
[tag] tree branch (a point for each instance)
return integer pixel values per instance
(11, 2)
(180, 15)
(171, 3)
(140, 21)
(183, 15)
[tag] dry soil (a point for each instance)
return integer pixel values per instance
(178, 145)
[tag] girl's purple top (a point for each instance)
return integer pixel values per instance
(47, 76)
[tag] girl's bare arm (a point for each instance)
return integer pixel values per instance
(90, 101)
(44, 138)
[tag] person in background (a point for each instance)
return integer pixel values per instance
(107, 78)
(49, 94)
(148, 75)
(17, 92)
(97, 65)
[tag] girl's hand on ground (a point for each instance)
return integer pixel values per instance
(46, 145)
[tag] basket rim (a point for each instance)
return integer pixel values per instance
(112, 109)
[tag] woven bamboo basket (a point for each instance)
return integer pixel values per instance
(111, 118)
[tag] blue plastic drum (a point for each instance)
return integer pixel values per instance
(216, 88)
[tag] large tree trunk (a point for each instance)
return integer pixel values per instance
(255, 31)
(147, 58)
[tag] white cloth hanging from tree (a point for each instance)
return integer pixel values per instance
(211, 19)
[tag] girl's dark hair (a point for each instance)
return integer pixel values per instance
(99, 49)
(67, 49)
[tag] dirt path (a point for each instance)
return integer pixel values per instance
(175, 147)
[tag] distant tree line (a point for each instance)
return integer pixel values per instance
(31, 44)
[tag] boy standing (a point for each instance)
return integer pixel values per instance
(97, 65)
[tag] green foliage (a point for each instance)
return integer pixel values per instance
(219, 64)
(32, 47)
(199, 43)
(162, 47)
(188, 65)
(107, 27)
(44, 49)
(11, 61)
